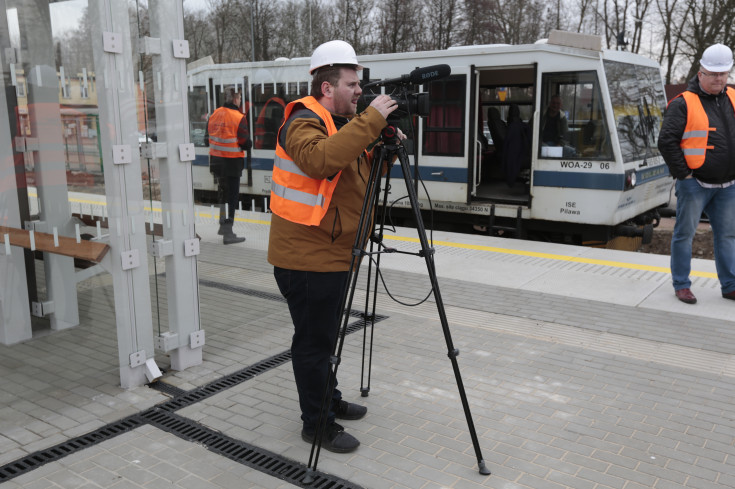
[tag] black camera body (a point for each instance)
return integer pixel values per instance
(410, 104)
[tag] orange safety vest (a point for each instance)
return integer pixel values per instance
(222, 129)
(694, 140)
(295, 196)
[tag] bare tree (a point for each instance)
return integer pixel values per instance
(640, 12)
(352, 21)
(672, 14)
(441, 16)
(395, 26)
(585, 9)
(263, 16)
(223, 19)
(708, 22)
(521, 21)
(475, 27)
(197, 31)
(291, 33)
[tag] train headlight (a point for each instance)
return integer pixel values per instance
(630, 179)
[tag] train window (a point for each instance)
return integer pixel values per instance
(572, 123)
(497, 103)
(444, 127)
(197, 115)
(638, 102)
(269, 104)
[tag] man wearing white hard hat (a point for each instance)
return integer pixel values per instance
(697, 141)
(319, 182)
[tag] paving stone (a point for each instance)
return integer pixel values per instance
(549, 411)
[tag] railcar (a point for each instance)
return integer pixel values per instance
(478, 153)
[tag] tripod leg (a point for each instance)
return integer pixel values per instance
(428, 253)
(380, 213)
(367, 318)
(363, 233)
(368, 315)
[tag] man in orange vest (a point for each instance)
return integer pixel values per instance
(319, 182)
(228, 138)
(697, 141)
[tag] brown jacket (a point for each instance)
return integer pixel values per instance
(327, 247)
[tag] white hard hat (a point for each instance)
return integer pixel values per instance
(333, 53)
(717, 58)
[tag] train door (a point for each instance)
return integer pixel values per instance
(505, 101)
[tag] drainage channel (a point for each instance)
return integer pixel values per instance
(56, 452)
(254, 457)
(163, 417)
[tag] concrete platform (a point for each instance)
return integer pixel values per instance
(581, 368)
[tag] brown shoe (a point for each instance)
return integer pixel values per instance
(729, 295)
(685, 295)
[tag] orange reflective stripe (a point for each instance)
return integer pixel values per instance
(696, 133)
(222, 128)
(295, 196)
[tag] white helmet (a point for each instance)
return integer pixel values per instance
(717, 58)
(333, 53)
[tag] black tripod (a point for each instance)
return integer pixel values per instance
(387, 152)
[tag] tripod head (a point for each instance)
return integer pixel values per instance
(389, 135)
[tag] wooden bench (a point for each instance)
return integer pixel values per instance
(92, 251)
(91, 221)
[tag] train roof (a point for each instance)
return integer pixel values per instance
(581, 45)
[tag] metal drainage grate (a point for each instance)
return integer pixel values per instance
(162, 417)
(166, 388)
(195, 395)
(42, 457)
(257, 458)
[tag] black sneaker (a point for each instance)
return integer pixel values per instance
(335, 439)
(349, 411)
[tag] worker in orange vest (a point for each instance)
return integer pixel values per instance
(697, 141)
(319, 182)
(228, 138)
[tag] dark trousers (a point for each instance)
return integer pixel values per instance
(228, 189)
(313, 300)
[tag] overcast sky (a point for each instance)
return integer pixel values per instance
(65, 15)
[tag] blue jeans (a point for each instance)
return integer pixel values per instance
(313, 300)
(719, 205)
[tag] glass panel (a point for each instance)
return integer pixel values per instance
(444, 127)
(54, 107)
(572, 124)
(638, 104)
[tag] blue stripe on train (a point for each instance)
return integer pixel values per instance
(257, 163)
(598, 181)
(541, 178)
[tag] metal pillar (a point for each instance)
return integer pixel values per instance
(15, 317)
(113, 60)
(46, 145)
(180, 246)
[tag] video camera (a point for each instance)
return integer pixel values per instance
(410, 102)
